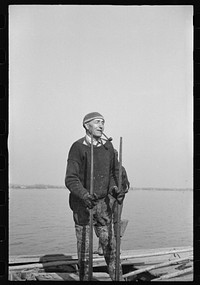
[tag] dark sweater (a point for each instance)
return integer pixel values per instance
(106, 169)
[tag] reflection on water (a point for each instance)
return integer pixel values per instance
(40, 220)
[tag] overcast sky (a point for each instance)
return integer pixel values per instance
(133, 64)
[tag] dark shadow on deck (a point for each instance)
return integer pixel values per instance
(45, 259)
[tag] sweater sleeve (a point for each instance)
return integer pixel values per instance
(72, 177)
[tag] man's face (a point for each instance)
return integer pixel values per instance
(95, 127)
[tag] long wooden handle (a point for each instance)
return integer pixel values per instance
(117, 267)
(91, 216)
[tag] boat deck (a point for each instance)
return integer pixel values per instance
(167, 264)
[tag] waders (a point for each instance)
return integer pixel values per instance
(91, 217)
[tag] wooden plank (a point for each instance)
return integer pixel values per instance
(42, 265)
(74, 255)
(145, 251)
(66, 256)
(156, 253)
(48, 277)
(102, 276)
(172, 268)
(174, 274)
(38, 259)
(54, 276)
(96, 259)
(182, 278)
(152, 254)
(14, 277)
(136, 260)
(23, 275)
(74, 262)
(136, 272)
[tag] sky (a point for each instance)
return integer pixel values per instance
(133, 64)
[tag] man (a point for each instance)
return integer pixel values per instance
(105, 180)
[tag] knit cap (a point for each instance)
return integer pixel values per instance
(91, 116)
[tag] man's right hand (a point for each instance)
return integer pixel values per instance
(90, 200)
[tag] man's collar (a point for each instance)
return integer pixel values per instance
(95, 141)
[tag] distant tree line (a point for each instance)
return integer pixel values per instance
(47, 186)
(35, 186)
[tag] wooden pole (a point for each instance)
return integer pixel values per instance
(91, 217)
(117, 267)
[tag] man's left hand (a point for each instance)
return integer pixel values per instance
(119, 196)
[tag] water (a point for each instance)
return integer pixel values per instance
(40, 220)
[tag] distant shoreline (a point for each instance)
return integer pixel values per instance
(41, 186)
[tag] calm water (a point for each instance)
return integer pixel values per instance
(40, 220)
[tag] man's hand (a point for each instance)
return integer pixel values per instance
(119, 196)
(90, 200)
(125, 182)
(114, 191)
(125, 186)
